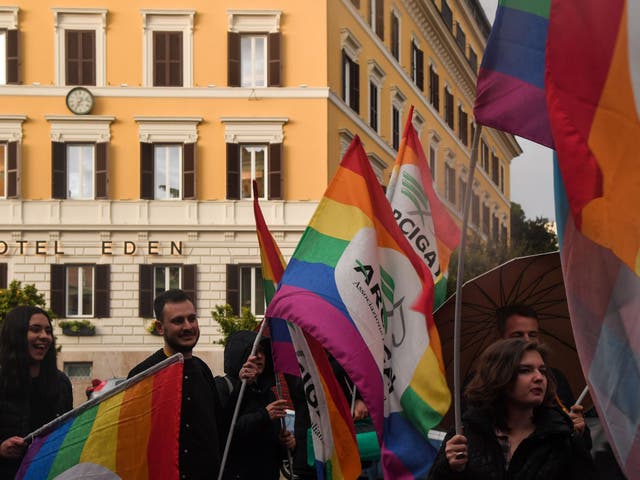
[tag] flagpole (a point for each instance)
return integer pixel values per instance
(236, 410)
(457, 387)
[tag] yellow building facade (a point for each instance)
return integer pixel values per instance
(140, 180)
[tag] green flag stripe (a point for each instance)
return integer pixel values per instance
(72, 445)
(421, 415)
(315, 247)
(539, 7)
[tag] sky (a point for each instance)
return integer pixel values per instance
(531, 172)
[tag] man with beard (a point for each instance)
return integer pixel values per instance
(203, 421)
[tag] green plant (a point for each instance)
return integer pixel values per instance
(230, 322)
(17, 294)
(152, 328)
(77, 325)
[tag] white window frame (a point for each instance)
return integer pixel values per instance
(376, 77)
(378, 165)
(81, 129)
(167, 269)
(418, 122)
(346, 137)
(8, 21)
(167, 21)
(375, 5)
(398, 101)
(265, 189)
(80, 268)
(253, 272)
(253, 62)
(434, 142)
(11, 131)
(156, 146)
(4, 158)
(93, 172)
(80, 19)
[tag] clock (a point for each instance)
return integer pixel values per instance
(80, 100)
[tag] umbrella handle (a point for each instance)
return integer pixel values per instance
(582, 395)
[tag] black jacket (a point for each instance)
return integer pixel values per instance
(200, 439)
(21, 416)
(551, 452)
(255, 452)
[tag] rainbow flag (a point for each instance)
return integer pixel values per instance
(351, 269)
(131, 431)
(510, 93)
(594, 109)
(420, 214)
(332, 428)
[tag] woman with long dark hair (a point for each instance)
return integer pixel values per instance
(32, 389)
(511, 428)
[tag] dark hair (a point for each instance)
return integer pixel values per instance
(174, 295)
(14, 355)
(503, 314)
(497, 371)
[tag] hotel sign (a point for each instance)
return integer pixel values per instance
(105, 247)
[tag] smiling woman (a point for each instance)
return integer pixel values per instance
(32, 390)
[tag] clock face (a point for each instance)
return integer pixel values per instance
(80, 100)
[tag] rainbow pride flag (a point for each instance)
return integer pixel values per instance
(335, 447)
(131, 431)
(594, 109)
(420, 214)
(510, 93)
(352, 268)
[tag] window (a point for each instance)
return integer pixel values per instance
(156, 278)
(495, 229)
(447, 14)
(462, 126)
(397, 105)
(80, 290)
(78, 369)
(245, 288)
(10, 136)
(504, 235)
(80, 51)
(450, 183)
(79, 156)
(167, 59)
(434, 88)
(350, 82)
(448, 108)
(376, 17)
(346, 137)
(9, 46)
(433, 161)
(254, 49)
(475, 210)
(376, 78)
(502, 178)
(486, 220)
(395, 35)
(254, 152)
(495, 169)
(3, 275)
(461, 38)
(168, 157)
(484, 156)
(417, 65)
(168, 48)
(462, 188)
(80, 42)
(473, 59)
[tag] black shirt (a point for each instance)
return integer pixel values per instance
(199, 441)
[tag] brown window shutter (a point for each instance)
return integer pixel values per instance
(80, 62)
(380, 19)
(102, 170)
(3, 275)
(145, 292)
(420, 69)
(58, 289)
(345, 65)
(102, 292)
(233, 171)
(190, 282)
(233, 59)
(276, 176)
(13, 57)
(59, 170)
(159, 66)
(355, 87)
(146, 171)
(189, 171)
(233, 287)
(13, 190)
(175, 59)
(275, 63)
